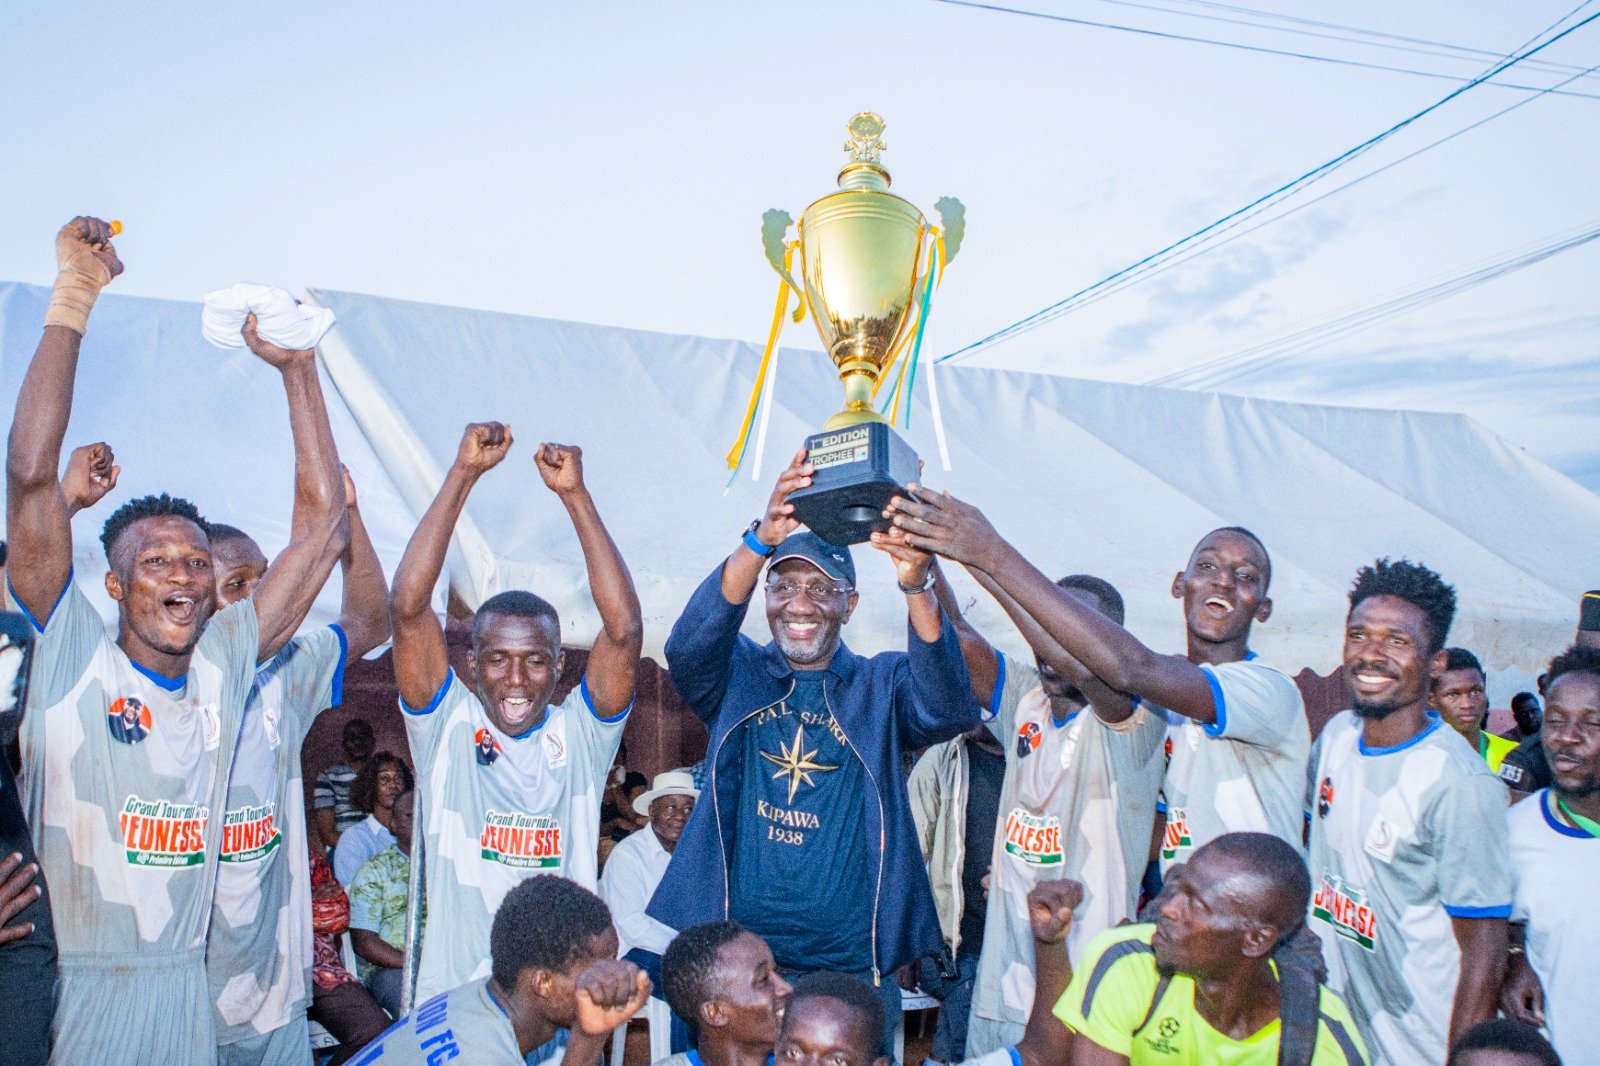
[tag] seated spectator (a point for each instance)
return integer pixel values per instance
(723, 980)
(340, 1003)
(634, 870)
(1134, 996)
(383, 778)
(1503, 1042)
(1527, 713)
(554, 975)
(378, 898)
(1526, 768)
(619, 818)
(331, 804)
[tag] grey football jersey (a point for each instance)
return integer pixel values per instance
(1402, 840)
(1078, 801)
(125, 771)
(258, 956)
(1244, 772)
(497, 809)
(464, 1025)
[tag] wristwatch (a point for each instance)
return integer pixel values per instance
(912, 590)
(753, 542)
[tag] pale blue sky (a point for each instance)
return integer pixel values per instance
(609, 162)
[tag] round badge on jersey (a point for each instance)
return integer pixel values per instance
(1324, 797)
(128, 719)
(1029, 737)
(485, 748)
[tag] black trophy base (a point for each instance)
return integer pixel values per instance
(858, 471)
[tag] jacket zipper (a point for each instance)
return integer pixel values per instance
(877, 892)
(716, 806)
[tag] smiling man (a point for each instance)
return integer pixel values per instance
(126, 743)
(1201, 985)
(509, 784)
(1239, 750)
(1555, 859)
(806, 837)
(1408, 833)
(723, 979)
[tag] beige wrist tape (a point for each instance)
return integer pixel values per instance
(80, 280)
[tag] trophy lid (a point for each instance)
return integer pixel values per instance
(864, 170)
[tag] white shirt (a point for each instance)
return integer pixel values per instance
(358, 844)
(630, 878)
(1554, 869)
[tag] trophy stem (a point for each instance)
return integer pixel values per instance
(857, 398)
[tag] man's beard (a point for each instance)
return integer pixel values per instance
(1373, 712)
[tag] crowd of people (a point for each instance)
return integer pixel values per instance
(1102, 855)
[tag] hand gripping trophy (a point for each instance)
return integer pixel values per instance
(868, 261)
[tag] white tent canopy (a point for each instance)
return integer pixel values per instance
(1112, 479)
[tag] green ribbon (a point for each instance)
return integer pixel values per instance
(1588, 825)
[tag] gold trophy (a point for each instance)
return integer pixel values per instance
(867, 261)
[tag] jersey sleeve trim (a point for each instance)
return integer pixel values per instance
(433, 704)
(1109, 958)
(588, 701)
(38, 626)
(1014, 1055)
(336, 688)
(1341, 1036)
(1503, 911)
(1218, 727)
(997, 695)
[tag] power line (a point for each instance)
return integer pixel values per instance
(1061, 306)
(1211, 241)
(1145, 31)
(1421, 45)
(1254, 358)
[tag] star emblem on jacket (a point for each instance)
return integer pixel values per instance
(795, 763)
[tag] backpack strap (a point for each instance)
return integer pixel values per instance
(1299, 960)
(1155, 998)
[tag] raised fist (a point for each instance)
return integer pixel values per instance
(561, 466)
(91, 473)
(268, 352)
(1050, 907)
(84, 246)
(610, 992)
(483, 445)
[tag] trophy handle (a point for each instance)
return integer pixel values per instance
(953, 220)
(775, 225)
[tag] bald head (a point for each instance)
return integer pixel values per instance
(1263, 875)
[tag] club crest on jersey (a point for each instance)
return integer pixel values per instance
(555, 745)
(1166, 748)
(1034, 839)
(1177, 835)
(485, 748)
(128, 719)
(1029, 737)
(523, 841)
(1345, 907)
(249, 834)
(1324, 797)
(158, 833)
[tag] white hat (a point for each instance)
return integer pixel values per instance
(671, 783)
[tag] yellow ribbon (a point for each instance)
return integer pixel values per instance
(736, 453)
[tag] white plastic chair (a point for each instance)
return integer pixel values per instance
(909, 1001)
(658, 1016)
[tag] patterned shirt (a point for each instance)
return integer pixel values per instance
(1243, 772)
(259, 949)
(332, 791)
(124, 769)
(1078, 802)
(1403, 839)
(498, 809)
(378, 898)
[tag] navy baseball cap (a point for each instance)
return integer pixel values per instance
(831, 559)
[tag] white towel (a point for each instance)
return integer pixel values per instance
(280, 318)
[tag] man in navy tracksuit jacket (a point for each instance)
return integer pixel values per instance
(803, 833)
